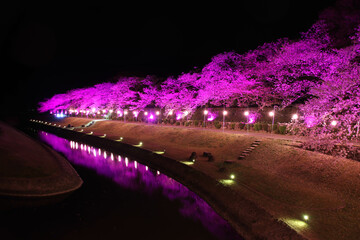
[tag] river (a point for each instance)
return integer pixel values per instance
(120, 199)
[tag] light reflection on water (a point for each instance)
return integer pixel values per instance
(138, 177)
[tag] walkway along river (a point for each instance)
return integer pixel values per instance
(120, 198)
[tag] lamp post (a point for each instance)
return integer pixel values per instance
(272, 114)
(125, 113)
(205, 113)
(246, 113)
(157, 114)
(224, 114)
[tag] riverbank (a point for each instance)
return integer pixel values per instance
(285, 181)
(30, 170)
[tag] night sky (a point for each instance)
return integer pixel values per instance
(49, 50)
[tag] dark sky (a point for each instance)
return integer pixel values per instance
(49, 50)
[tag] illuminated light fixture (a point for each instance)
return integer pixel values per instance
(125, 112)
(146, 113)
(151, 116)
(98, 112)
(246, 113)
(171, 112)
(94, 151)
(294, 116)
(139, 145)
(157, 113)
(104, 110)
(225, 112)
(112, 157)
(146, 168)
(206, 112)
(118, 112)
(103, 135)
(334, 123)
(135, 164)
(99, 151)
(111, 110)
(158, 172)
(120, 139)
(306, 217)
(119, 158)
(126, 161)
(186, 113)
(93, 110)
(271, 114)
(81, 130)
(232, 176)
(105, 155)
(90, 133)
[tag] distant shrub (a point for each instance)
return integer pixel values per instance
(232, 126)
(265, 127)
(257, 126)
(196, 123)
(249, 126)
(217, 124)
(241, 125)
(274, 128)
(188, 123)
(177, 123)
(200, 123)
(282, 129)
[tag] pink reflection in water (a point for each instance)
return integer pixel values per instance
(133, 175)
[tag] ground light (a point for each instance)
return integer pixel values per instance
(306, 217)
(120, 139)
(232, 176)
(333, 123)
(139, 145)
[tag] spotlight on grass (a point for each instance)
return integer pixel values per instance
(139, 145)
(306, 217)
(232, 176)
(120, 139)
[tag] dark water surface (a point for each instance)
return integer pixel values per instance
(120, 199)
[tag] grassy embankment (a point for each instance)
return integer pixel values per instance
(286, 181)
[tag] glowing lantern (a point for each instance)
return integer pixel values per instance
(271, 114)
(333, 123)
(306, 217)
(146, 113)
(294, 116)
(206, 112)
(157, 113)
(225, 112)
(246, 113)
(232, 176)
(171, 112)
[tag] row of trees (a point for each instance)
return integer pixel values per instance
(310, 71)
